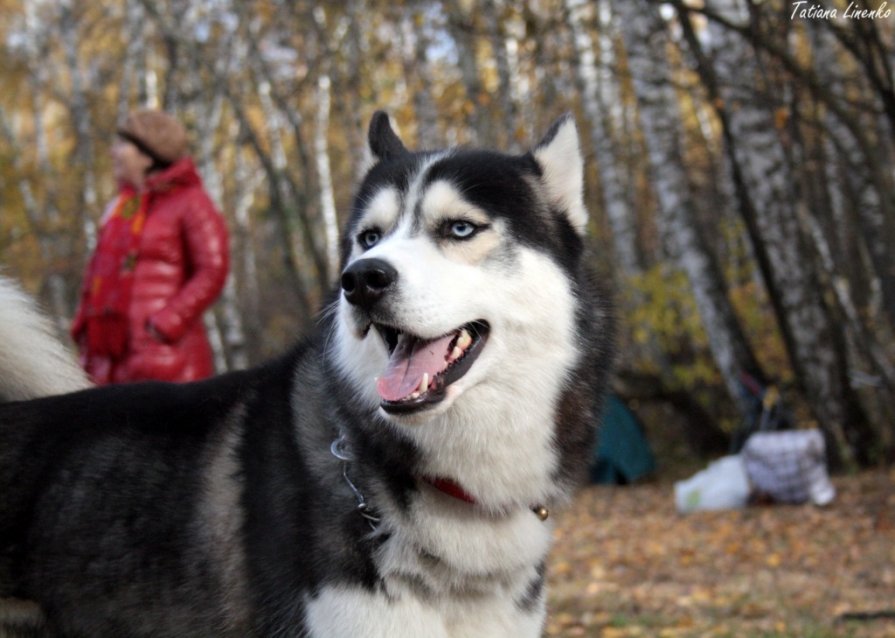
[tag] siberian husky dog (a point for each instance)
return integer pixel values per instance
(392, 476)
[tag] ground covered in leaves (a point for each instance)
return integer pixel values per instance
(625, 563)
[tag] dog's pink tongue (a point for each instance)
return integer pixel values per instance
(410, 360)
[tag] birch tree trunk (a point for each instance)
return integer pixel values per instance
(277, 194)
(493, 13)
(853, 236)
(278, 179)
(42, 213)
(324, 173)
(293, 202)
(246, 181)
(815, 347)
(36, 49)
(598, 89)
(321, 144)
(520, 80)
(545, 84)
(460, 25)
(231, 351)
(207, 124)
(415, 58)
(873, 206)
(615, 201)
(134, 67)
(353, 73)
(84, 147)
(646, 44)
(32, 207)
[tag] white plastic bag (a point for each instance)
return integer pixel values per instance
(789, 465)
(722, 485)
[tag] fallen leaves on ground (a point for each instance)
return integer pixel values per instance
(626, 564)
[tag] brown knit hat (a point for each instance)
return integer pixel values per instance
(155, 133)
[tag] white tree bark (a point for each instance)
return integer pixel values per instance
(520, 80)
(492, 11)
(229, 343)
(324, 173)
(646, 42)
(246, 182)
(808, 330)
(615, 201)
(321, 151)
(875, 221)
(415, 41)
(134, 69)
(868, 210)
(460, 27)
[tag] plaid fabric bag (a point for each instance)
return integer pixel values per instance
(789, 466)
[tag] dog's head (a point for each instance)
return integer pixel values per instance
(458, 271)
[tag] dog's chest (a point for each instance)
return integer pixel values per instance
(352, 612)
(444, 574)
(464, 575)
(461, 561)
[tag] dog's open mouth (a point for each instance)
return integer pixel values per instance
(420, 370)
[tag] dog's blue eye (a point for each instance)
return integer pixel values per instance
(461, 229)
(369, 238)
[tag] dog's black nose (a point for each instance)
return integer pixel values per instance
(366, 280)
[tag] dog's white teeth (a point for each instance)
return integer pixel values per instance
(464, 340)
(424, 383)
(415, 395)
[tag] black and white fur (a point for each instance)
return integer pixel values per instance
(219, 508)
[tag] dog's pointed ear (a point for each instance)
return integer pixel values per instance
(382, 140)
(559, 156)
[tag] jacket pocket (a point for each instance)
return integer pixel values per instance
(155, 361)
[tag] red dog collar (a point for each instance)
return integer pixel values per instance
(449, 487)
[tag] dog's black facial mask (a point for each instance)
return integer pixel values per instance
(539, 193)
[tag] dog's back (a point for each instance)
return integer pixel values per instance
(122, 505)
(109, 494)
(33, 363)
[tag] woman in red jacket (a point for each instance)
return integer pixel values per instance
(161, 260)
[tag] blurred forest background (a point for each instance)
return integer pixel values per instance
(740, 168)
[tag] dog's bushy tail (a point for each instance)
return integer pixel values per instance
(33, 362)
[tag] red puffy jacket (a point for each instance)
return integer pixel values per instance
(180, 269)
